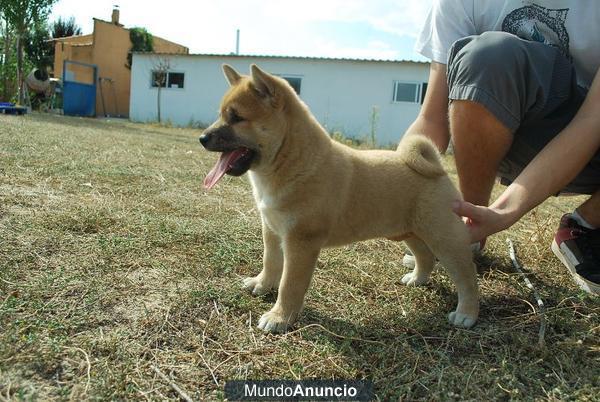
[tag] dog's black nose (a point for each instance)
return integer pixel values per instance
(203, 139)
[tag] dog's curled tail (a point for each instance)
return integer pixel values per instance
(421, 155)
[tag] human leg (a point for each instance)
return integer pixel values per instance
(590, 210)
(498, 84)
(480, 143)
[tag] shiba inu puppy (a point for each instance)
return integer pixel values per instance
(313, 192)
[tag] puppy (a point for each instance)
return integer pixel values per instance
(313, 193)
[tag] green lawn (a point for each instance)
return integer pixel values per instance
(114, 260)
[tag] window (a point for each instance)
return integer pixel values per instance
(158, 79)
(167, 79)
(411, 92)
(176, 80)
(423, 91)
(294, 81)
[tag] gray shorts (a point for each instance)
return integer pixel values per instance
(530, 87)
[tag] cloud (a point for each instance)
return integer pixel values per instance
(285, 27)
(400, 17)
(273, 27)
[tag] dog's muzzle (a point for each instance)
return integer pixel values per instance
(204, 140)
(219, 139)
(236, 158)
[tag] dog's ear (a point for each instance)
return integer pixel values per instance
(233, 77)
(264, 83)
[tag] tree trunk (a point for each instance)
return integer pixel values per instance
(21, 98)
(6, 90)
(158, 102)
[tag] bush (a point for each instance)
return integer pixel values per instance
(141, 41)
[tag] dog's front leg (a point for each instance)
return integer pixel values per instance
(300, 258)
(270, 275)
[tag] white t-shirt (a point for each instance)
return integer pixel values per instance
(571, 25)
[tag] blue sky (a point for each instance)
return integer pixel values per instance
(376, 29)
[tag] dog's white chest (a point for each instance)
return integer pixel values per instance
(264, 202)
(267, 204)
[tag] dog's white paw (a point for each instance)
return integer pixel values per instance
(411, 279)
(274, 322)
(462, 320)
(256, 285)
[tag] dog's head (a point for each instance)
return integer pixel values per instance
(251, 124)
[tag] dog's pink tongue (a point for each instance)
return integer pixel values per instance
(223, 164)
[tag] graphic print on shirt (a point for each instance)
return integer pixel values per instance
(540, 24)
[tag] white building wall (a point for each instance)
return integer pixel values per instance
(341, 93)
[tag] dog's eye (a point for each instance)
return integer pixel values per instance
(234, 117)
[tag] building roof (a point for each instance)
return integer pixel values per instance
(260, 56)
(128, 29)
(84, 44)
(109, 22)
(79, 37)
(64, 38)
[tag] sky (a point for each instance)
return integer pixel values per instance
(357, 29)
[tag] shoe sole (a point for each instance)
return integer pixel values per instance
(584, 284)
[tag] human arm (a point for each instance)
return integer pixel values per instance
(549, 172)
(447, 21)
(432, 120)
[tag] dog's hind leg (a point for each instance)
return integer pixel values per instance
(461, 270)
(270, 275)
(454, 253)
(424, 262)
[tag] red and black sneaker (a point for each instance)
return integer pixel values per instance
(579, 250)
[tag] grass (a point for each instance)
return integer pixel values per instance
(113, 260)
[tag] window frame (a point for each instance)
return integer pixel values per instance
(418, 91)
(166, 85)
(175, 72)
(152, 82)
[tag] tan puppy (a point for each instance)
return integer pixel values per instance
(313, 192)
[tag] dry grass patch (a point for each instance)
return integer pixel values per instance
(114, 260)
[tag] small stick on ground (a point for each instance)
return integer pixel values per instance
(181, 393)
(333, 333)
(89, 365)
(540, 303)
(212, 373)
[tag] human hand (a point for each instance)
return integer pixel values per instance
(482, 221)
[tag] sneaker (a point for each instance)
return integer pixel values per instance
(409, 259)
(578, 248)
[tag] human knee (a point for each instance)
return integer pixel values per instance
(476, 113)
(491, 55)
(489, 69)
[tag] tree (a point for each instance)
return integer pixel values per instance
(63, 28)
(141, 41)
(7, 60)
(160, 69)
(22, 15)
(38, 48)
